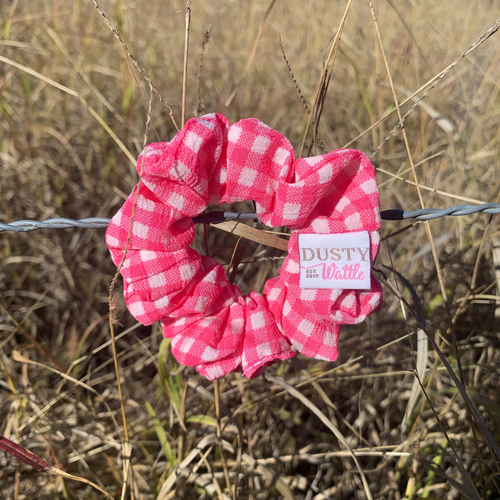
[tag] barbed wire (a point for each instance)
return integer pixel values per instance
(215, 217)
(436, 213)
(23, 226)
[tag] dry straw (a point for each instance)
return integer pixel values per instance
(385, 421)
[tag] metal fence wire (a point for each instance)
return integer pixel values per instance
(23, 226)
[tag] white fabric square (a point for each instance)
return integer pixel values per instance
(370, 186)
(179, 171)
(145, 204)
(210, 354)
(348, 302)
(237, 325)
(149, 151)
(263, 350)
(136, 309)
(207, 321)
(140, 230)
(177, 201)
(180, 322)
(337, 316)
(374, 301)
(162, 302)
(320, 226)
(291, 211)
(211, 277)
(112, 241)
(286, 308)
(330, 339)
(260, 144)
(272, 186)
(344, 201)
(319, 357)
(306, 327)
(157, 280)
(257, 320)
(117, 218)
(247, 177)
(187, 272)
(150, 185)
(206, 123)
(325, 173)
(234, 134)
(222, 177)
(193, 141)
(147, 255)
(292, 267)
(273, 294)
(353, 222)
(186, 345)
(201, 304)
(280, 156)
(313, 160)
(214, 372)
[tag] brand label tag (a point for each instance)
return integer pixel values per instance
(335, 261)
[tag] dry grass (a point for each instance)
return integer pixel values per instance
(311, 430)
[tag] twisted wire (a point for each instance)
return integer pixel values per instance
(23, 226)
(436, 213)
(215, 217)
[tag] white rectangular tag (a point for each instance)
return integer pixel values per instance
(335, 261)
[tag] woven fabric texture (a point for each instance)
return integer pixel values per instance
(211, 324)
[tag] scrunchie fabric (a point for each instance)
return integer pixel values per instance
(211, 324)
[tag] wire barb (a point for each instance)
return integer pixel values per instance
(216, 217)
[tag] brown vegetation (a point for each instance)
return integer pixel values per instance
(73, 113)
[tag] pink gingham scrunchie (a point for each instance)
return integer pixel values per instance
(211, 324)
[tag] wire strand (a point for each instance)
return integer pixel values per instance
(23, 226)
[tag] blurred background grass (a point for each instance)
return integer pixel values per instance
(58, 160)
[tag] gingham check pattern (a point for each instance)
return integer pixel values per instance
(212, 325)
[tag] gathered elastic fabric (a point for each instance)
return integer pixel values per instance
(211, 324)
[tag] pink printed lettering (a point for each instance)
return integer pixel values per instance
(348, 272)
